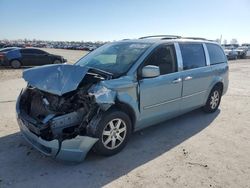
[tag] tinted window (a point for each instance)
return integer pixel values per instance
(193, 56)
(32, 51)
(216, 54)
(39, 51)
(164, 57)
(27, 51)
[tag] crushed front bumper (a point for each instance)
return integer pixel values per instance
(73, 150)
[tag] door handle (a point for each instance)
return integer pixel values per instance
(177, 80)
(188, 78)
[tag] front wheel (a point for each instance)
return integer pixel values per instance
(213, 100)
(113, 132)
(57, 62)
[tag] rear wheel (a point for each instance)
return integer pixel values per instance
(15, 64)
(113, 132)
(213, 100)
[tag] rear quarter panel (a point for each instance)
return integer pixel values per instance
(14, 54)
(220, 72)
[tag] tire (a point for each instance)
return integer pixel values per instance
(57, 61)
(112, 139)
(213, 100)
(15, 64)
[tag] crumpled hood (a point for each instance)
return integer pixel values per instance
(55, 79)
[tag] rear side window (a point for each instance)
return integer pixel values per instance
(216, 54)
(193, 56)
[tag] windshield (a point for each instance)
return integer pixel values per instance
(115, 58)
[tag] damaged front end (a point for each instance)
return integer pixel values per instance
(58, 119)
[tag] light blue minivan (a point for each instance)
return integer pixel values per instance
(117, 89)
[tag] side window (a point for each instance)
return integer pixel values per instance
(193, 56)
(32, 51)
(164, 57)
(216, 54)
(26, 51)
(38, 51)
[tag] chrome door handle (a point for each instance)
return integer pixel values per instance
(188, 78)
(177, 80)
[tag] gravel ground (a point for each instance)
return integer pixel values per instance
(194, 150)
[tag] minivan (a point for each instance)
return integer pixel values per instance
(119, 88)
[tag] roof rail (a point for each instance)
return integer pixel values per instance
(194, 38)
(161, 37)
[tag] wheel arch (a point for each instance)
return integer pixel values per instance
(218, 82)
(128, 110)
(220, 85)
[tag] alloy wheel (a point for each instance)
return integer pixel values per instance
(215, 98)
(114, 133)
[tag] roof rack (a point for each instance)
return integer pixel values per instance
(194, 38)
(161, 37)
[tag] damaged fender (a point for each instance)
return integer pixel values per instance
(104, 97)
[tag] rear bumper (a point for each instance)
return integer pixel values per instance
(73, 150)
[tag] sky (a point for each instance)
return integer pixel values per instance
(108, 20)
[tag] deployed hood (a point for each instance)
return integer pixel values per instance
(55, 79)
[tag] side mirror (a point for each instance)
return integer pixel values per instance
(150, 71)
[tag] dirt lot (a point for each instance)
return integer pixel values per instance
(194, 150)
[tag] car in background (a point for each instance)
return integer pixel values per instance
(231, 52)
(242, 51)
(17, 57)
(247, 45)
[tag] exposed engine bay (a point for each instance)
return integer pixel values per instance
(51, 116)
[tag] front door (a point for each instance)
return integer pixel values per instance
(160, 96)
(40, 57)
